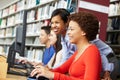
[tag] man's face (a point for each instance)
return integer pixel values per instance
(44, 37)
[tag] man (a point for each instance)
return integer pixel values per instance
(49, 50)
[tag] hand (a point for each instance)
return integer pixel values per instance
(22, 60)
(42, 71)
(107, 76)
(36, 64)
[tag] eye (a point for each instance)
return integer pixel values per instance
(70, 29)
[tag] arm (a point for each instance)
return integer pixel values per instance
(51, 61)
(93, 65)
(104, 51)
(58, 59)
(107, 67)
(67, 51)
(91, 70)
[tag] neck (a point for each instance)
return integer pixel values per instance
(47, 44)
(64, 33)
(82, 44)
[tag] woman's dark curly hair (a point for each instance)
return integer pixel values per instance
(87, 22)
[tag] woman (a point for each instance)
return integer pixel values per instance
(59, 24)
(55, 40)
(85, 63)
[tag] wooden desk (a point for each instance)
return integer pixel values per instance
(3, 67)
(7, 79)
(3, 71)
(15, 77)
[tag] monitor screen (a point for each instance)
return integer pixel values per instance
(18, 45)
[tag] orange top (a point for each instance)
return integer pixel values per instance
(87, 67)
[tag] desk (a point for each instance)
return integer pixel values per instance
(16, 77)
(3, 71)
(6, 79)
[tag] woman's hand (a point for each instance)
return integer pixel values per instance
(42, 71)
(36, 63)
(22, 60)
(107, 76)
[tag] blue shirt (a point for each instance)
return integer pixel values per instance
(47, 54)
(67, 48)
(104, 51)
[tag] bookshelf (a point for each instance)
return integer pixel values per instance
(11, 16)
(38, 14)
(113, 29)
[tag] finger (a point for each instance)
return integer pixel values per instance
(38, 75)
(33, 72)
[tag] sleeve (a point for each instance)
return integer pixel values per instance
(106, 65)
(68, 50)
(59, 76)
(93, 64)
(104, 51)
(58, 59)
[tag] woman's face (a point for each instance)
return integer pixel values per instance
(74, 32)
(58, 25)
(52, 37)
(44, 37)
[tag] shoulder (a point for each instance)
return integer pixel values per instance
(92, 49)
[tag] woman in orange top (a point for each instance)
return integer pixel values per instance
(85, 64)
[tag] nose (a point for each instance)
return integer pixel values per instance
(68, 32)
(53, 25)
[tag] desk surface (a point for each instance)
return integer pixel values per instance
(7, 79)
(15, 77)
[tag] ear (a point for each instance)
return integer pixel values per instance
(83, 33)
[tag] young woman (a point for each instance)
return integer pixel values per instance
(59, 24)
(85, 63)
(55, 40)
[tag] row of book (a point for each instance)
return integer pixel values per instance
(12, 20)
(7, 41)
(42, 13)
(34, 55)
(113, 29)
(33, 41)
(34, 28)
(9, 32)
(20, 5)
(30, 41)
(114, 9)
(27, 4)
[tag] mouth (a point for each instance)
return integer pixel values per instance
(56, 30)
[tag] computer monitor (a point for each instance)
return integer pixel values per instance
(18, 45)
